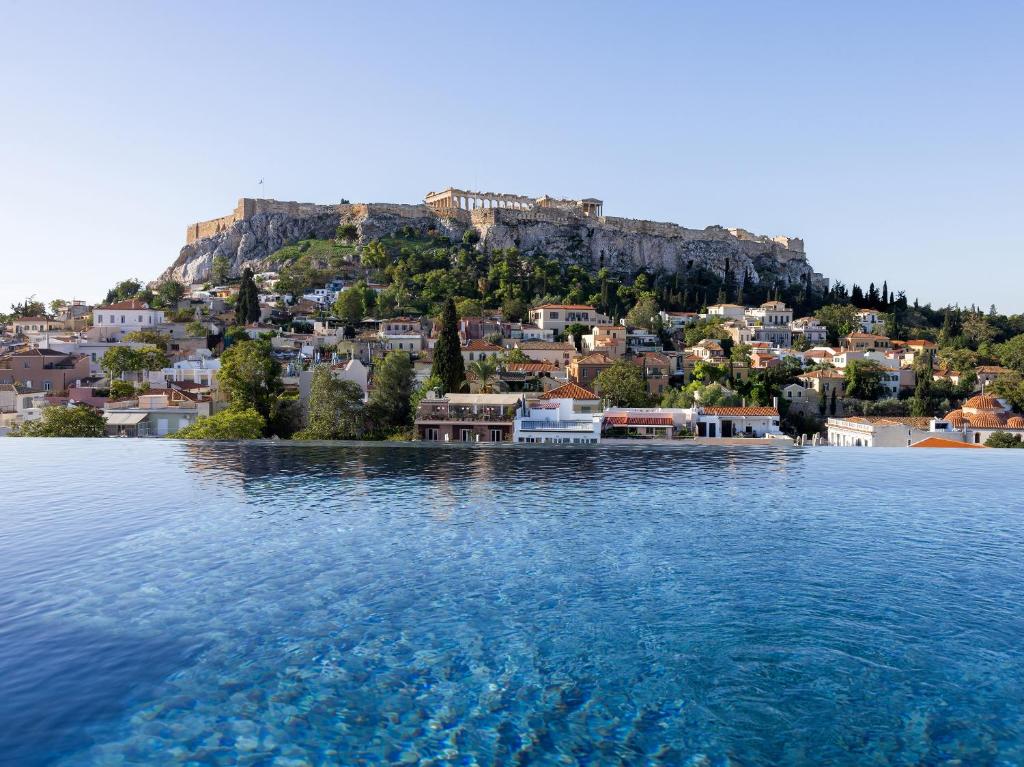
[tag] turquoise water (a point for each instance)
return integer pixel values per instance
(165, 603)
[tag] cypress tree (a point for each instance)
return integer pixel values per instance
(448, 364)
(247, 304)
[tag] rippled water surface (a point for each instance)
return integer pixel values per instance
(166, 603)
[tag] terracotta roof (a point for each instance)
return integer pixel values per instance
(985, 420)
(1016, 422)
(479, 345)
(531, 367)
(565, 306)
(570, 391)
(133, 303)
(955, 417)
(537, 345)
(983, 402)
(893, 420)
(996, 369)
(822, 374)
(741, 411)
(943, 442)
(630, 419)
(597, 358)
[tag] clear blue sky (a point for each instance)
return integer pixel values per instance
(888, 135)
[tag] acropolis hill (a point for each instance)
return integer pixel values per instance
(575, 231)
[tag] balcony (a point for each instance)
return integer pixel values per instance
(576, 425)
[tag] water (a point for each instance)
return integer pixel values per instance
(165, 603)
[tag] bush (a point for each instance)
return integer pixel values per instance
(230, 424)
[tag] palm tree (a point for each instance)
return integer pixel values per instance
(485, 371)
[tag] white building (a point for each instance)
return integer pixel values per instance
(558, 317)
(724, 421)
(114, 320)
(556, 421)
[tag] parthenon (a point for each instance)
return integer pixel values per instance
(452, 199)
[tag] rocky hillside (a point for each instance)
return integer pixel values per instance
(621, 245)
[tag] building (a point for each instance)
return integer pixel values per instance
(21, 326)
(726, 422)
(809, 329)
(45, 370)
(862, 342)
(610, 339)
(467, 417)
(558, 317)
(877, 431)
(870, 320)
(559, 353)
(114, 320)
(583, 400)
(556, 420)
(348, 370)
(155, 414)
(656, 369)
(585, 370)
(980, 417)
(478, 349)
(727, 311)
(674, 321)
(644, 423)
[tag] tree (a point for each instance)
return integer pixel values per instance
(708, 372)
(247, 305)
(1010, 386)
(56, 421)
(1011, 353)
(513, 355)
(169, 292)
(839, 320)
(123, 290)
(392, 391)
(335, 408)
(485, 371)
(863, 379)
(513, 310)
(576, 331)
(622, 385)
(197, 329)
(350, 307)
(1004, 439)
(58, 305)
(148, 336)
(469, 307)
(220, 271)
(644, 314)
(231, 424)
(118, 360)
(374, 255)
(121, 389)
(449, 367)
(251, 376)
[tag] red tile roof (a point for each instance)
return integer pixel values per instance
(570, 391)
(531, 367)
(741, 411)
(133, 303)
(479, 345)
(565, 306)
(943, 442)
(630, 419)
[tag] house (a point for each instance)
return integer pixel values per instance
(729, 311)
(558, 353)
(656, 370)
(154, 414)
(979, 418)
(709, 350)
(558, 317)
(114, 320)
(523, 331)
(877, 431)
(674, 321)
(610, 339)
(859, 342)
(584, 370)
(583, 400)
(348, 370)
(809, 329)
(555, 420)
(478, 349)
(725, 422)
(870, 320)
(646, 423)
(23, 325)
(527, 376)
(201, 369)
(639, 341)
(825, 382)
(989, 373)
(467, 417)
(19, 404)
(43, 369)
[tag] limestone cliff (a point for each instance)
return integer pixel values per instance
(259, 228)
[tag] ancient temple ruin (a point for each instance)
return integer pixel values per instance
(452, 199)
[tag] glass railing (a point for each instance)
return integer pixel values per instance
(556, 426)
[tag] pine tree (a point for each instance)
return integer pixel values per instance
(448, 366)
(885, 293)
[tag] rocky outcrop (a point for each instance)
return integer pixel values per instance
(621, 245)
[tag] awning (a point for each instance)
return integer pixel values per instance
(125, 419)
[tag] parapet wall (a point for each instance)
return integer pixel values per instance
(248, 207)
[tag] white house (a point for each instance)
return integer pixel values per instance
(349, 370)
(558, 317)
(556, 421)
(114, 320)
(723, 421)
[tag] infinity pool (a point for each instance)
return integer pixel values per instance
(275, 604)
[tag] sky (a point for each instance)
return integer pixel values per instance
(887, 135)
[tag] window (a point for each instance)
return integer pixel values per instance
(122, 319)
(496, 435)
(466, 435)
(554, 315)
(47, 385)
